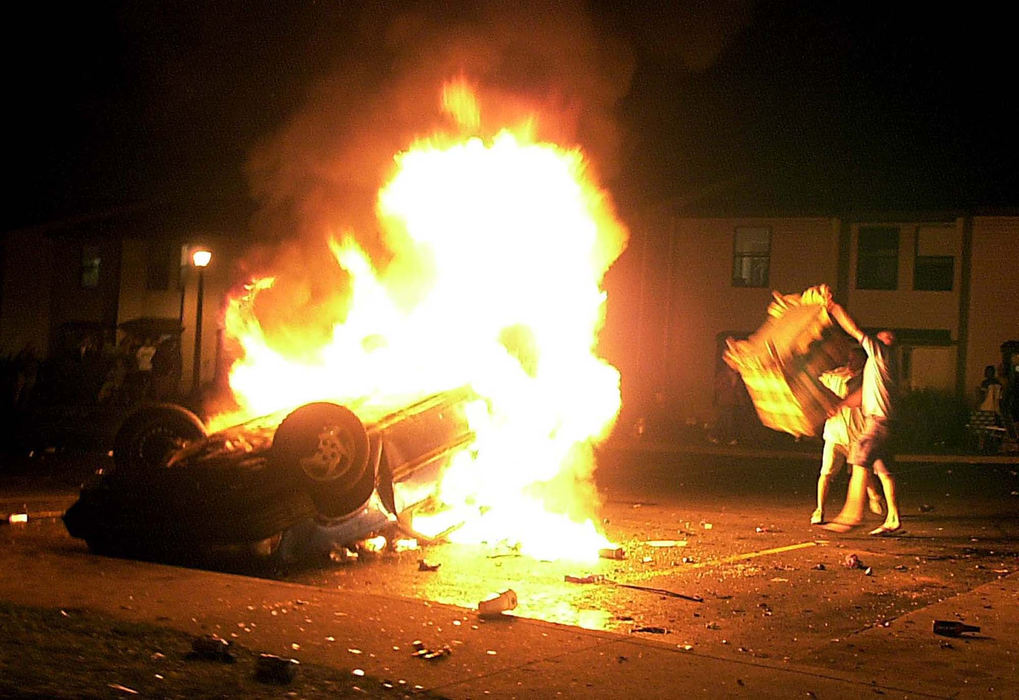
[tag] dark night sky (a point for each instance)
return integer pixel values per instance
(780, 105)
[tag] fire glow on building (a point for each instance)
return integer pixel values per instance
(497, 244)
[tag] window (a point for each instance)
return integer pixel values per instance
(90, 261)
(751, 256)
(934, 264)
(877, 257)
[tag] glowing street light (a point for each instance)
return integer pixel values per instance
(200, 258)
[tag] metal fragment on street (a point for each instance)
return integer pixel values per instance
(493, 607)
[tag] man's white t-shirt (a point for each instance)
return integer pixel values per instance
(880, 379)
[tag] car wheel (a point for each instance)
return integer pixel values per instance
(149, 436)
(326, 448)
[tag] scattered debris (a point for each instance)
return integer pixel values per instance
(650, 630)
(424, 565)
(600, 578)
(952, 628)
(342, 555)
(819, 567)
(926, 508)
(276, 669)
(211, 647)
(608, 553)
(494, 607)
(706, 526)
(659, 591)
(423, 652)
(374, 544)
(852, 562)
(122, 688)
(590, 578)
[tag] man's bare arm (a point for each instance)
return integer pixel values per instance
(843, 319)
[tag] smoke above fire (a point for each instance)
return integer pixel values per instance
(321, 171)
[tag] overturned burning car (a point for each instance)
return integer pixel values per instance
(290, 486)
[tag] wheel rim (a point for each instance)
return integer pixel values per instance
(334, 455)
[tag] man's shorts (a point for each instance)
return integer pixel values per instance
(872, 443)
(833, 456)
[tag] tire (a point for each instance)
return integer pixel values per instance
(325, 447)
(149, 436)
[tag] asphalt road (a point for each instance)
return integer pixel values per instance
(771, 584)
(746, 574)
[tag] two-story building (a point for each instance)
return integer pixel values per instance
(946, 283)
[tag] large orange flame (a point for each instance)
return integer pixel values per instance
(498, 248)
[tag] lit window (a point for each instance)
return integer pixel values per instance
(751, 256)
(877, 257)
(90, 261)
(934, 264)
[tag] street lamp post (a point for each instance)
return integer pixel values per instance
(200, 258)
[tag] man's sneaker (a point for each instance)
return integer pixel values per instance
(817, 517)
